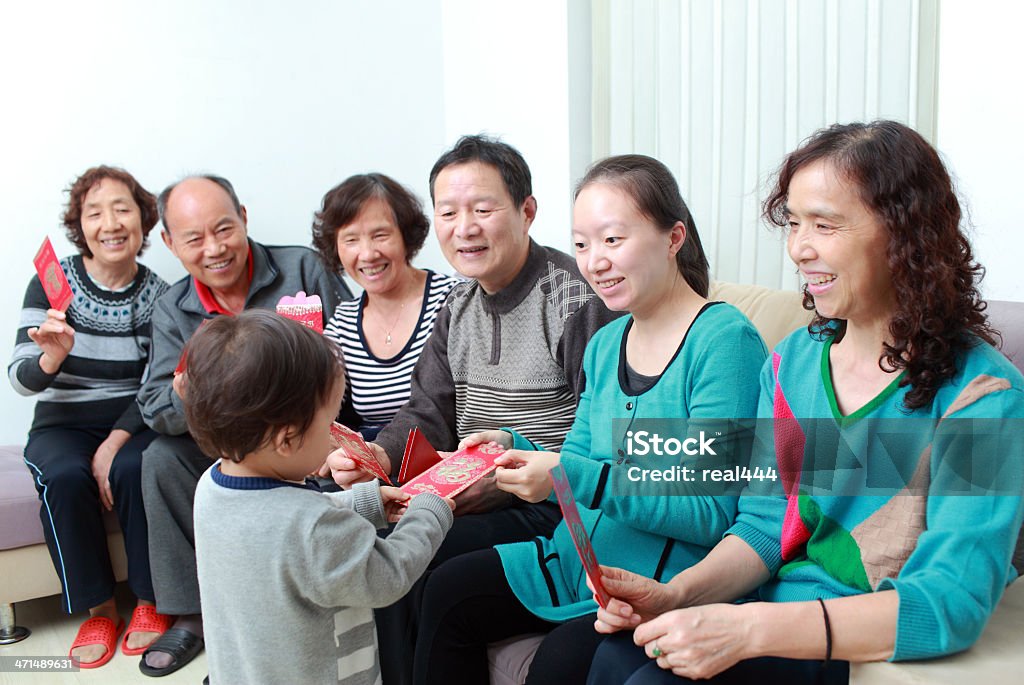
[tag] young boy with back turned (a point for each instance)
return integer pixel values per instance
(288, 575)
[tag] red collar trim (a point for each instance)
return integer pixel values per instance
(206, 297)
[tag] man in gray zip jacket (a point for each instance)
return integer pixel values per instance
(205, 226)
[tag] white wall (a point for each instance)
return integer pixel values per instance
(284, 100)
(979, 131)
(506, 74)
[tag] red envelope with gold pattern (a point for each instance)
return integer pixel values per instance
(584, 548)
(356, 449)
(55, 283)
(451, 476)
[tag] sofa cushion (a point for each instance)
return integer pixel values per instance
(1008, 319)
(19, 503)
(510, 660)
(775, 313)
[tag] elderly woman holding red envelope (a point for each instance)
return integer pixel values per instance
(81, 349)
(676, 356)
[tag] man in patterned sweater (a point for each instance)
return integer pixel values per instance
(507, 350)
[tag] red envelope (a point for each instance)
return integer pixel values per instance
(451, 476)
(571, 516)
(55, 283)
(356, 449)
(306, 309)
(419, 456)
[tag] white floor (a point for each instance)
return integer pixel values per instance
(53, 631)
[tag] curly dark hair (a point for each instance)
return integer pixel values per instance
(279, 371)
(653, 190)
(343, 202)
(934, 275)
(80, 187)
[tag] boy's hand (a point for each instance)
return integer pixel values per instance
(395, 502)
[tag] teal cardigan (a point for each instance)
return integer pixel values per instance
(712, 375)
(942, 541)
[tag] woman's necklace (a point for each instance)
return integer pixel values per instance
(387, 331)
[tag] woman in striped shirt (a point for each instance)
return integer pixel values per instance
(370, 228)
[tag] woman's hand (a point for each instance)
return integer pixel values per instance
(345, 472)
(526, 474)
(55, 338)
(698, 642)
(102, 460)
(635, 598)
(501, 438)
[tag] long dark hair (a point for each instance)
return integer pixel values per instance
(934, 276)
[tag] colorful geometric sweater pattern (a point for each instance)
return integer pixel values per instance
(943, 546)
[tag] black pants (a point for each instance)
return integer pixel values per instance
(620, 662)
(398, 624)
(467, 603)
(60, 460)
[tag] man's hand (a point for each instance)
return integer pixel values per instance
(179, 384)
(344, 470)
(526, 474)
(102, 460)
(55, 338)
(481, 497)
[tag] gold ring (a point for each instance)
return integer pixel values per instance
(657, 650)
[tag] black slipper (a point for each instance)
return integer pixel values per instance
(181, 644)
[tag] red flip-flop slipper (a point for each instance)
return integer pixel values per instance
(98, 630)
(145, 619)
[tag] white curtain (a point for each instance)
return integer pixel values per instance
(720, 90)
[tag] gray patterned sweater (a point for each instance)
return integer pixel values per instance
(289, 576)
(512, 359)
(97, 383)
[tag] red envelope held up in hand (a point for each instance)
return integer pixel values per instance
(55, 283)
(584, 548)
(356, 449)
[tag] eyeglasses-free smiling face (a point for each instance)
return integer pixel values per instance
(207, 234)
(371, 248)
(839, 246)
(627, 260)
(111, 223)
(482, 233)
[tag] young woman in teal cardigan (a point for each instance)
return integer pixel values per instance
(677, 356)
(896, 434)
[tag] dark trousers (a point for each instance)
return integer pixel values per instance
(467, 603)
(60, 460)
(171, 468)
(620, 662)
(398, 624)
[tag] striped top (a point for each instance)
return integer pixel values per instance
(379, 387)
(97, 383)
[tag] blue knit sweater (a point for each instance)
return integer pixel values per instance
(712, 375)
(938, 510)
